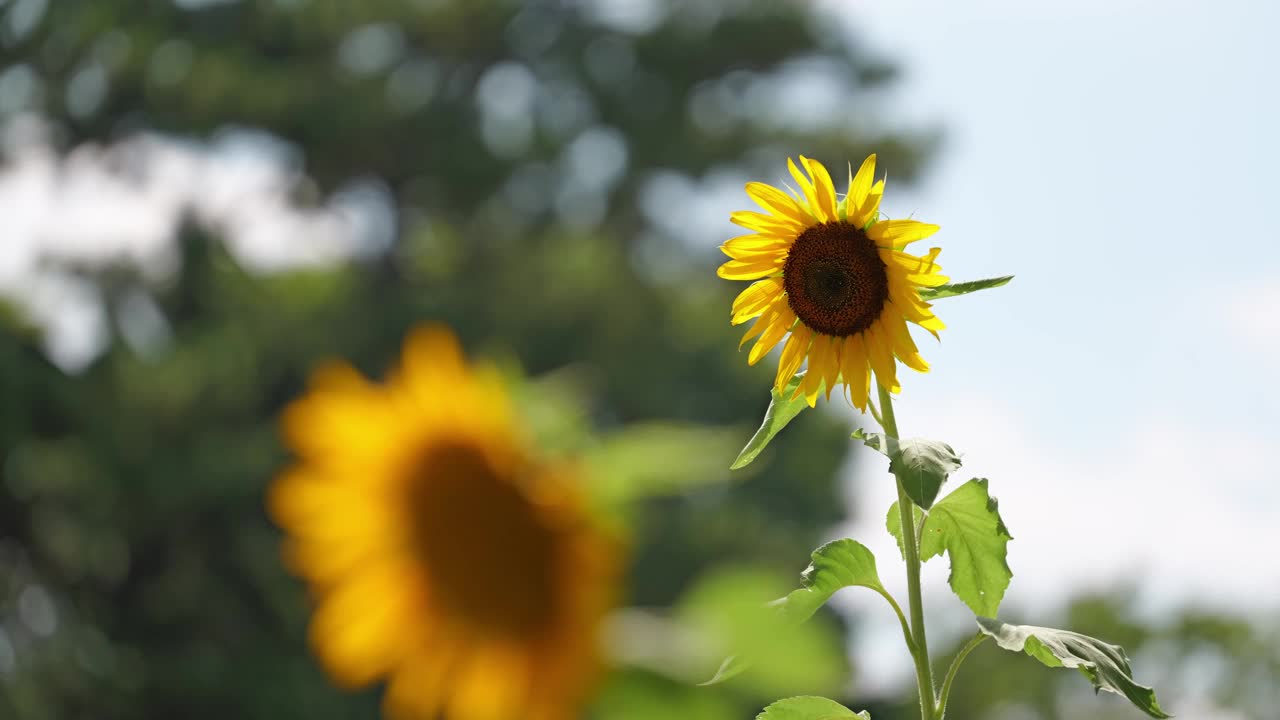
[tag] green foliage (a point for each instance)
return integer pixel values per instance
(808, 707)
(838, 564)
(922, 466)
(964, 288)
(966, 525)
(1105, 665)
(775, 655)
(783, 408)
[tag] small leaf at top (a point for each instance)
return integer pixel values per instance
(838, 564)
(809, 707)
(964, 288)
(782, 410)
(967, 525)
(1106, 665)
(921, 465)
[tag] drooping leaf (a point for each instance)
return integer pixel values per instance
(963, 288)
(782, 410)
(838, 564)
(966, 525)
(921, 465)
(809, 707)
(1106, 665)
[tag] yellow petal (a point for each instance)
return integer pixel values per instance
(753, 301)
(793, 354)
(358, 631)
(755, 243)
(853, 368)
(831, 365)
(779, 322)
(859, 187)
(903, 344)
(823, 187)
(806, 187)
(880, 356)
(811, 385)
(750, 270)
(777, 202)
(897, 234)
(870, 208)
(762, 223)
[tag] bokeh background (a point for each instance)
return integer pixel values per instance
(202, 199)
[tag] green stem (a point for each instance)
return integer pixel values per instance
(902, 619)
(911, 551)
(974, 642)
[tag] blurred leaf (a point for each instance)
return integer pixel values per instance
(729, 609)
(967, 525)
(1106, 666)
(922, 465)
(808, 707)
(782, 410)
(654, 458)
(964, 288)
(838, 564)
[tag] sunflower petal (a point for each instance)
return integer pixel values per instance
(750, 270)
(810, 195)
(859, 187)
(823, 187)
(870, 208)
(779, 321)
(853, 369)
(769, 224)
(778, 203)
(904, 347)
(898, 234)
(880, 356)
(793, 353)
(755, 299)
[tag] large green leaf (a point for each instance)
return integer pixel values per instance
(1106, 665)
(964, 288)
(838, 564)
(809, 707)
(966, 525)
(782, 410)
(921, 465)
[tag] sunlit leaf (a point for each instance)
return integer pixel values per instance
(809, 707)
(966, 525)
(838, 564)
(963, 288)
(782, 410)
(1106, 665)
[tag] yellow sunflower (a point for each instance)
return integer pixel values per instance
(443, 557)
(836, 277)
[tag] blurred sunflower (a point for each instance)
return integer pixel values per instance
(837, 278)
(442, 556)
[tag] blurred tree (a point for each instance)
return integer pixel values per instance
(526, 156)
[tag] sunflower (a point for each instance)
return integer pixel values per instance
(828, 271)
(443, 557)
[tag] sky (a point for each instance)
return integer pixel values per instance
(1119, 157)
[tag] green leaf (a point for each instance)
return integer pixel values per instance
(727, 613)
(838, 564)
(1106, 666)
(657, 458)
(782, 410)
(893, 523)
(967, 525)
(922, 465)
(964, 288)
(732, 667)
(809, 707)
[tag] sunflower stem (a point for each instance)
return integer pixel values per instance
(911, 551)
(974, 642)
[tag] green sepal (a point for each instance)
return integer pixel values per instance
(963, 288)
(782, 410)
(837, 564)
(966, 525)
(1105, 665)
(809, 707)
(921, 465)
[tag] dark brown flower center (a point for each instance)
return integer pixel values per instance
(489, 555)
(835, 280)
